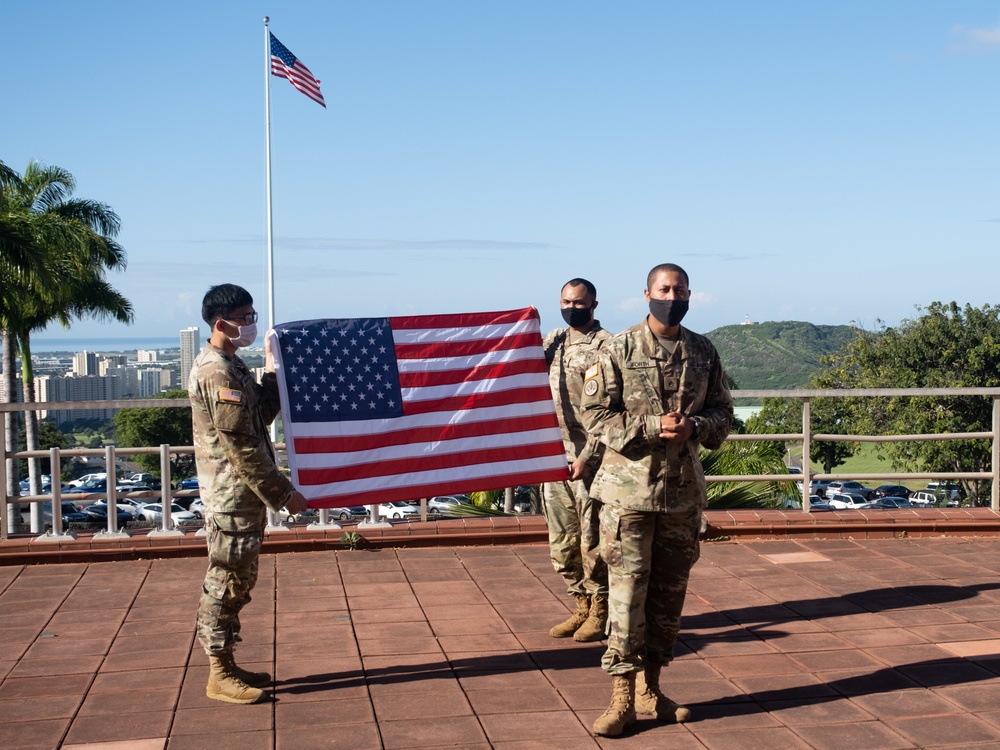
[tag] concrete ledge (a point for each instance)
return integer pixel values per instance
(26, 549)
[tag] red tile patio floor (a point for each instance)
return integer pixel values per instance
(795, 643)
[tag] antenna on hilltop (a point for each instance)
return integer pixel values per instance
(746, 321)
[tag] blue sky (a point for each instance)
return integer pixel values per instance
(834, 162)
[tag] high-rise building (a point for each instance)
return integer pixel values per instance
(190, 346)
(78, 388)
(110, 361)
(147, 355)
(85, 363)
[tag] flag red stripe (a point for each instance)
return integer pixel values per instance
(417, 491)
(434, 349)
(351, 443)
(480, 372)
(424, 463)
(462, 320)
(479, 400)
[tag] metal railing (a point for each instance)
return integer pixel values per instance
(805, 438)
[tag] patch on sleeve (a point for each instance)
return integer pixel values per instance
(591, 372)
(230, 396)
(590, 387)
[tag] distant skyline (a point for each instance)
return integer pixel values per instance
(825, 162)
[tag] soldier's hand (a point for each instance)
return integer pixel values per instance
(579, 469)
(268, 354)
(297, 504)
(674, 427)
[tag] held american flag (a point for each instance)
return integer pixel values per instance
(286, 65)
(402, 408)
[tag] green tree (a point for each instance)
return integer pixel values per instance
(72, 239)
(946, 347)
(828, 416)
(152, 427)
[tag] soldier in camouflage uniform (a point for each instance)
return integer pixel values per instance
(571, 515)
(239, 482)
(657, 392)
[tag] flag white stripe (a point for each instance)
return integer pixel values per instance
(431, 419)
(453, 474)
(421, 449)
(469, 387)
(465, 333)
(437, 364)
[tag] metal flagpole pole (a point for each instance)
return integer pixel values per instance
(273, 520)
(267, 131)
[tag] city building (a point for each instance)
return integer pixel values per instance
(78, 388)
(190, 346)
(85, 363)
(110, 361)
(144, 356)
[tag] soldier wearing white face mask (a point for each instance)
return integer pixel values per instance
(238, 479)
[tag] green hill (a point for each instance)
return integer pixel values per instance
(776, 355)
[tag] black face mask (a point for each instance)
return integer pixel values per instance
(670, 312)
(576, 317)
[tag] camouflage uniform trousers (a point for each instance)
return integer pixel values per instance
(649, 556)
(572, 516)
(234, 543)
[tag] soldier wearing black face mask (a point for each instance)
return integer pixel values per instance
(656, 394)
(571, 515)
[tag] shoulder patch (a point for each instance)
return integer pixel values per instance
(230, 396)
(590, 387)
(591, 372)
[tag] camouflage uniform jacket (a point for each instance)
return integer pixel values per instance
(633, 383)
(233, 452)
(567, 361)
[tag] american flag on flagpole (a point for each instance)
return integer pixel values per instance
(402, 408)
(286, 65)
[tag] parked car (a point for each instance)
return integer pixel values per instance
(816, 486)
(70, 513)
(140, 478)
(397, 509)
(846, 500)
(309, 514)
(851, 487)
(924, 498)
(98, 513)
(154, 512)
(947, 490)
(349, 512)
(892, 490)
(86, 478)
(817, 503)
(889, 502)
(130, 505)
(191, 483)
(446, 504)
(196, 507)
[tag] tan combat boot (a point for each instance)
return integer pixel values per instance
(621, 712)
(649, 700)
(224, 685)
(579, 616)
(593, 628)
(253, 679)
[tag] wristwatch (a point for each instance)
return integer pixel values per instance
(696, 430)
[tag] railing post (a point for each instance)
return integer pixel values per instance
(806, 451)
(995, 489)
(57, 533)
(111, 497)
(4, 531)
(167, 525)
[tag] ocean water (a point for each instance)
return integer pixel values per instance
(103, 345)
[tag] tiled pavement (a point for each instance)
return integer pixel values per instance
(828, 644)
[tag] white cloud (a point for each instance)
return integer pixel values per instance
(972, 39)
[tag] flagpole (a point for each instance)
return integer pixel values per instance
(267, 131)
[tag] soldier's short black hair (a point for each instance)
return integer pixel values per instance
(591, 289)
(657, 270)
(221, 300)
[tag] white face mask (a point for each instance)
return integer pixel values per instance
(248, 334)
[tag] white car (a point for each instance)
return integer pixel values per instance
(397, 509)
(154, 512)
(86, 478)
(923, 497)
(845, 501)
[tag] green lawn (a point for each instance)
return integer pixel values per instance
(866, 461)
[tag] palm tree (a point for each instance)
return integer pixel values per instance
(73, 240)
